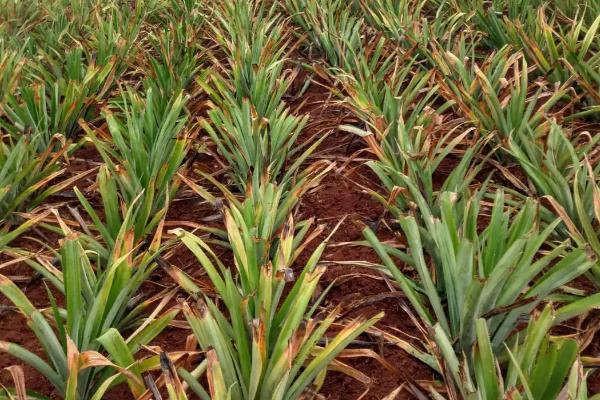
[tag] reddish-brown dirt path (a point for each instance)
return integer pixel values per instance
(358, 289)
(342, 195)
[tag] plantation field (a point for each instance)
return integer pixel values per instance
(299, 199)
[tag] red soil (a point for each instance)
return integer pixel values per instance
(355, 286)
